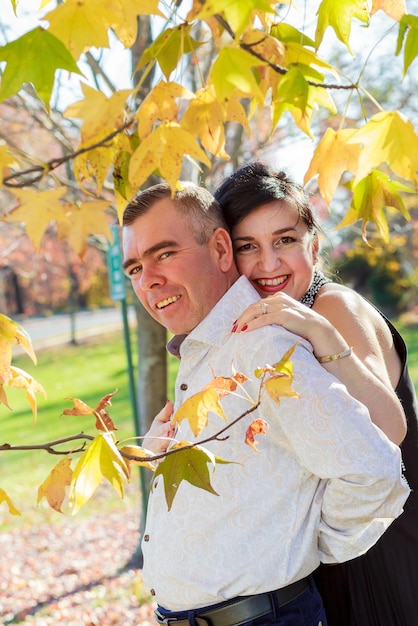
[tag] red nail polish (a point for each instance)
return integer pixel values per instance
(234, 327)
(244, 327)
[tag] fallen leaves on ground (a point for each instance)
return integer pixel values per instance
(75, 571)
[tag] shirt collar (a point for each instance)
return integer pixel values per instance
(216, 327)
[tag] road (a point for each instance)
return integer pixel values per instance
(56, 329)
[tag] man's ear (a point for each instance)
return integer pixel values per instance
(222, 248)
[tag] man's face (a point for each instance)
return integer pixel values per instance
(177, 280)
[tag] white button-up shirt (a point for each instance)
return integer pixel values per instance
(324, 485)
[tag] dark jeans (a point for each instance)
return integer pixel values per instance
(306, 610)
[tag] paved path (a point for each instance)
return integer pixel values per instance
(49, 331)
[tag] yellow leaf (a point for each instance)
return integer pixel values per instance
(280, 387)
(20, 379)
(82, 24)
(100, 115)
(238, 13)
(235, 112)
(196, 409)
(332, 157)
(160, 104)
(101, 460)
(6, 161)
(125, 22)
(164, 151)
(338, 15)
(205, 118)
(5, 498)
(388, 137)
(92, 167)
(86, 219)
(370, 197)
(393, 8)
(53, 487)
(12, 333)
(269, 48)
(36, 210)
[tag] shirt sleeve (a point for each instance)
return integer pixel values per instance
(331, 433)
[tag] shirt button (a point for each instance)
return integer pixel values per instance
(183, 386)
(152, 592)
(146, 537)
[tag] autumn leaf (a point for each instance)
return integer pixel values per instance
(233, 71)
(164, 151)
(168, 47)
(296, 94)
(190, 465)
(280, 377)
(237, 13)
(125, 22)
(53, 487)
(103, 420)
(339, 15)
(43, 54)
(81, 24)
(7, 160)
(87, 218)
(408, 27)
(224, 386)
(100, 460)
(160, 104)
(332, 157)
(257, 427)
(100, 115)
(37, 209)
(196, 409)
(370, 197)
(141, 453)
(388, 137)
(11, 333)
(393, 8)
(5, 498)
(20, 379)
(79, 408)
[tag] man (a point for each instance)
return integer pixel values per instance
(325, 483)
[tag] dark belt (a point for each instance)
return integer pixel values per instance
(239, 610)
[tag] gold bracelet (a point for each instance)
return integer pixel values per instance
(334, 357)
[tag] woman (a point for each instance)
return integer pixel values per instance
(276, 246)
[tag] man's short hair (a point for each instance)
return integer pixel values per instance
(193, 202)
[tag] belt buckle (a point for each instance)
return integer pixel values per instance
(161, 619)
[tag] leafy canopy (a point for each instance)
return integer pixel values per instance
(212, 64)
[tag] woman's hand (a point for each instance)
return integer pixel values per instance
(285, 311)
(161, 432)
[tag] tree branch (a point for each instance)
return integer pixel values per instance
(50, 446)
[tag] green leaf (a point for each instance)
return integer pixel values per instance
(338, 15)
(169, 46)
(101, 460)
(190, 465)
(233, 70)
(287, 33)
(34, 58)
(408, 26)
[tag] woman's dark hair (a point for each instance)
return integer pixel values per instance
(256, 184)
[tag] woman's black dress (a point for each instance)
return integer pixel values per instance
(380, 588)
